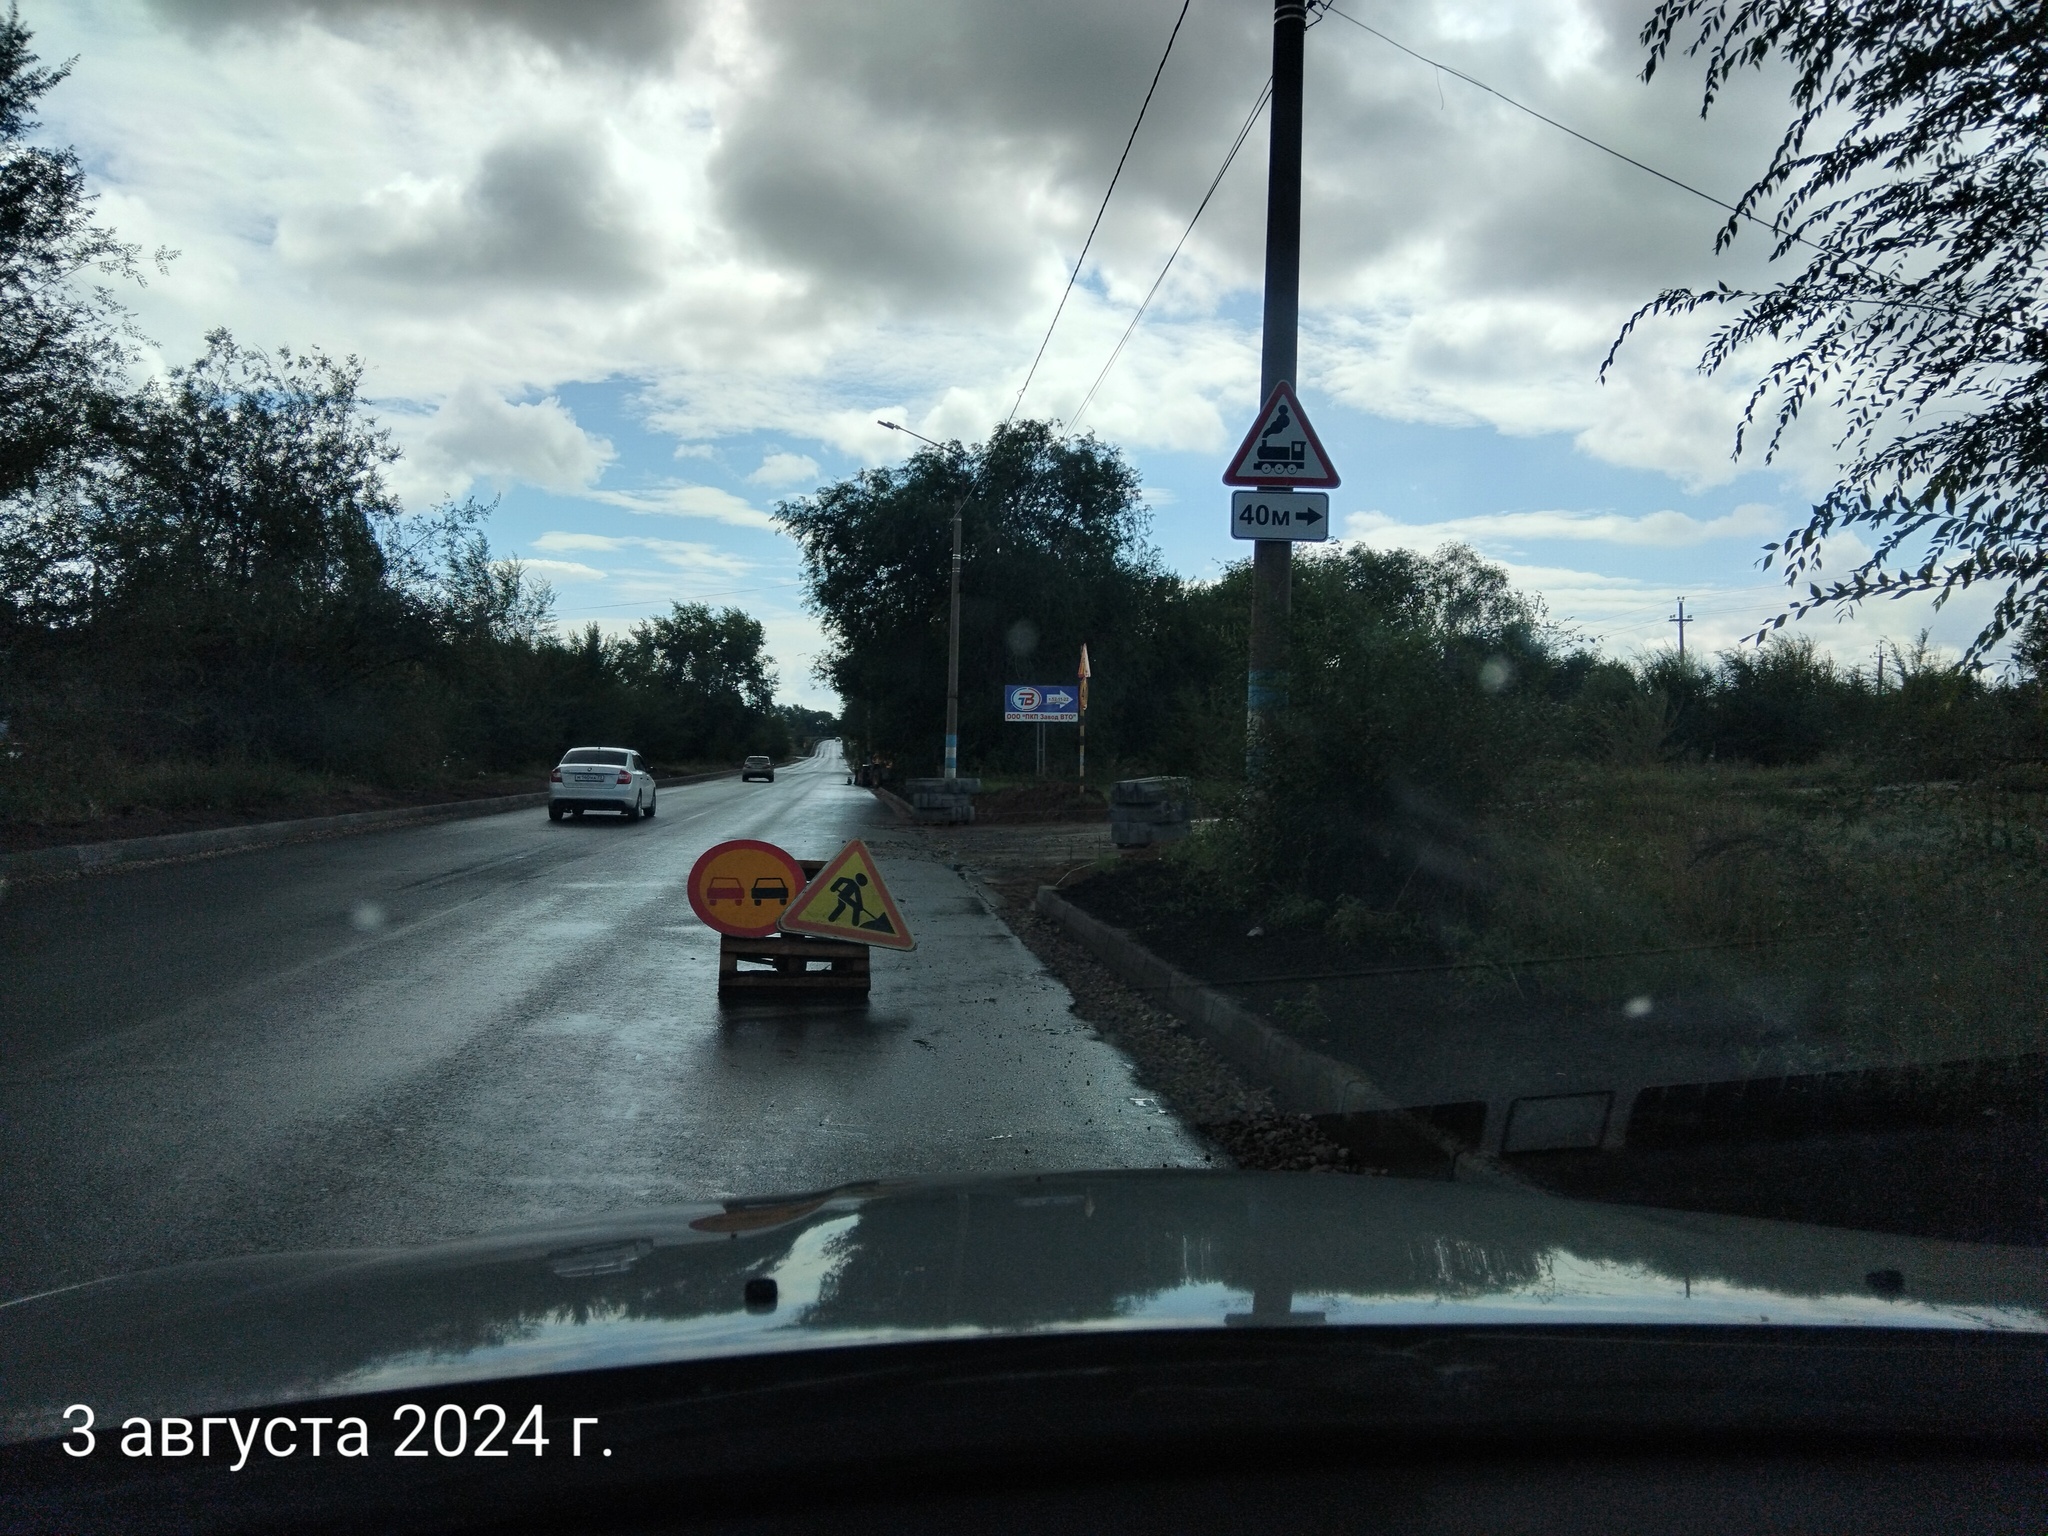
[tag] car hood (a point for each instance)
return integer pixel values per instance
(945, 1258)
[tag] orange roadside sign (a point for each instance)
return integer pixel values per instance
(743, 887)
(847, 900)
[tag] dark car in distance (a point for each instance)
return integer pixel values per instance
(757, 767)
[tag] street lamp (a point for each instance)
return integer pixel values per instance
(952, 628)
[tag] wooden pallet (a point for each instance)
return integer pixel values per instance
(796, 962)
(788, 962)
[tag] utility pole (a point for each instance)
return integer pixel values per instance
(1681, 621)
(1272, 559)
(952, 769)
(1880, 666)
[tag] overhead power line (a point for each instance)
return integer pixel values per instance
(1243, 133)
(1684, 186)
(1605, 149)
(1074, 276)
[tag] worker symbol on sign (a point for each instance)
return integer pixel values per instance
(847, 899)
(848, 888)
(850, 893)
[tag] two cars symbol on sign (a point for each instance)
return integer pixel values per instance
(742, 887)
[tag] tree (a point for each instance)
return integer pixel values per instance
(710, 670)
(243, 477)
(1921, 314)
(1054, 556)
(62, 347)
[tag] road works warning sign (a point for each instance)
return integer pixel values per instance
(743, 887)
(847, 900)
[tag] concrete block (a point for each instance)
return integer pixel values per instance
(1153, 791)
(1557, 1122)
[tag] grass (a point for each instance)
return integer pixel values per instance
(1911, 920)
(1840, 917)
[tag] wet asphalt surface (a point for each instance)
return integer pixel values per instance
(444, 1030)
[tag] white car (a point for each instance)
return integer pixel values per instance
(600, 779)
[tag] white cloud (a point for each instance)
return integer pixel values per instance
(1654, 530)
(478, 435)
(780, 469)
(516, 192)
(678, 553)
(1629, 615)
(686, 501)
(562, 570)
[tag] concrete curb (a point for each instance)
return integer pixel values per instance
(1301, 1081)
(90, 858)
(899, 807)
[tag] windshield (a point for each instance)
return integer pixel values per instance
(1492, 661)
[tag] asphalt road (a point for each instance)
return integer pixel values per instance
(448, 1029)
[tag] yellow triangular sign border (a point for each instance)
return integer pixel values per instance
(792, 921)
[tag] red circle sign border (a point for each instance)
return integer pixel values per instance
(725, 925)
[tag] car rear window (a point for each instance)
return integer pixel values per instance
(606, 755)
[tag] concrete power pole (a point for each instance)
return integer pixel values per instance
(1681, 621)
(1272, 559)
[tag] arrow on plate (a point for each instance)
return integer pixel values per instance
(1059, 698)
(1310, 517)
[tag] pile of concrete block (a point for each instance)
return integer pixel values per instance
(942, 800)
(1147, 811)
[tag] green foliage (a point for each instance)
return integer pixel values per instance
(1053, 557)
(232, 581)
(806, 726)
(63, 339)
(1420, 684)
(1921, 315)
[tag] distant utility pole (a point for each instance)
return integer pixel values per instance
(1272, 559)
(1880, 666)
(1681, 621)
(952, 628)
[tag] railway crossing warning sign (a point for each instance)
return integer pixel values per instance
(743, 887)
(847, 900)
(1282, 448)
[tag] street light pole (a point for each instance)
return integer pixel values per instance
(952, 626)
(953, 658)
(1272, 559)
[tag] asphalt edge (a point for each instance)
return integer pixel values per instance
(899, 807)
(1301, 1081)
(91, 858)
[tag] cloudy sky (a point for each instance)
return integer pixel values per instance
(639, 268)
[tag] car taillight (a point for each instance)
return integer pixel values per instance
(555, 777)
(625, 777)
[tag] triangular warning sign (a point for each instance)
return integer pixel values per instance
(1282, 448)
(847, 900)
